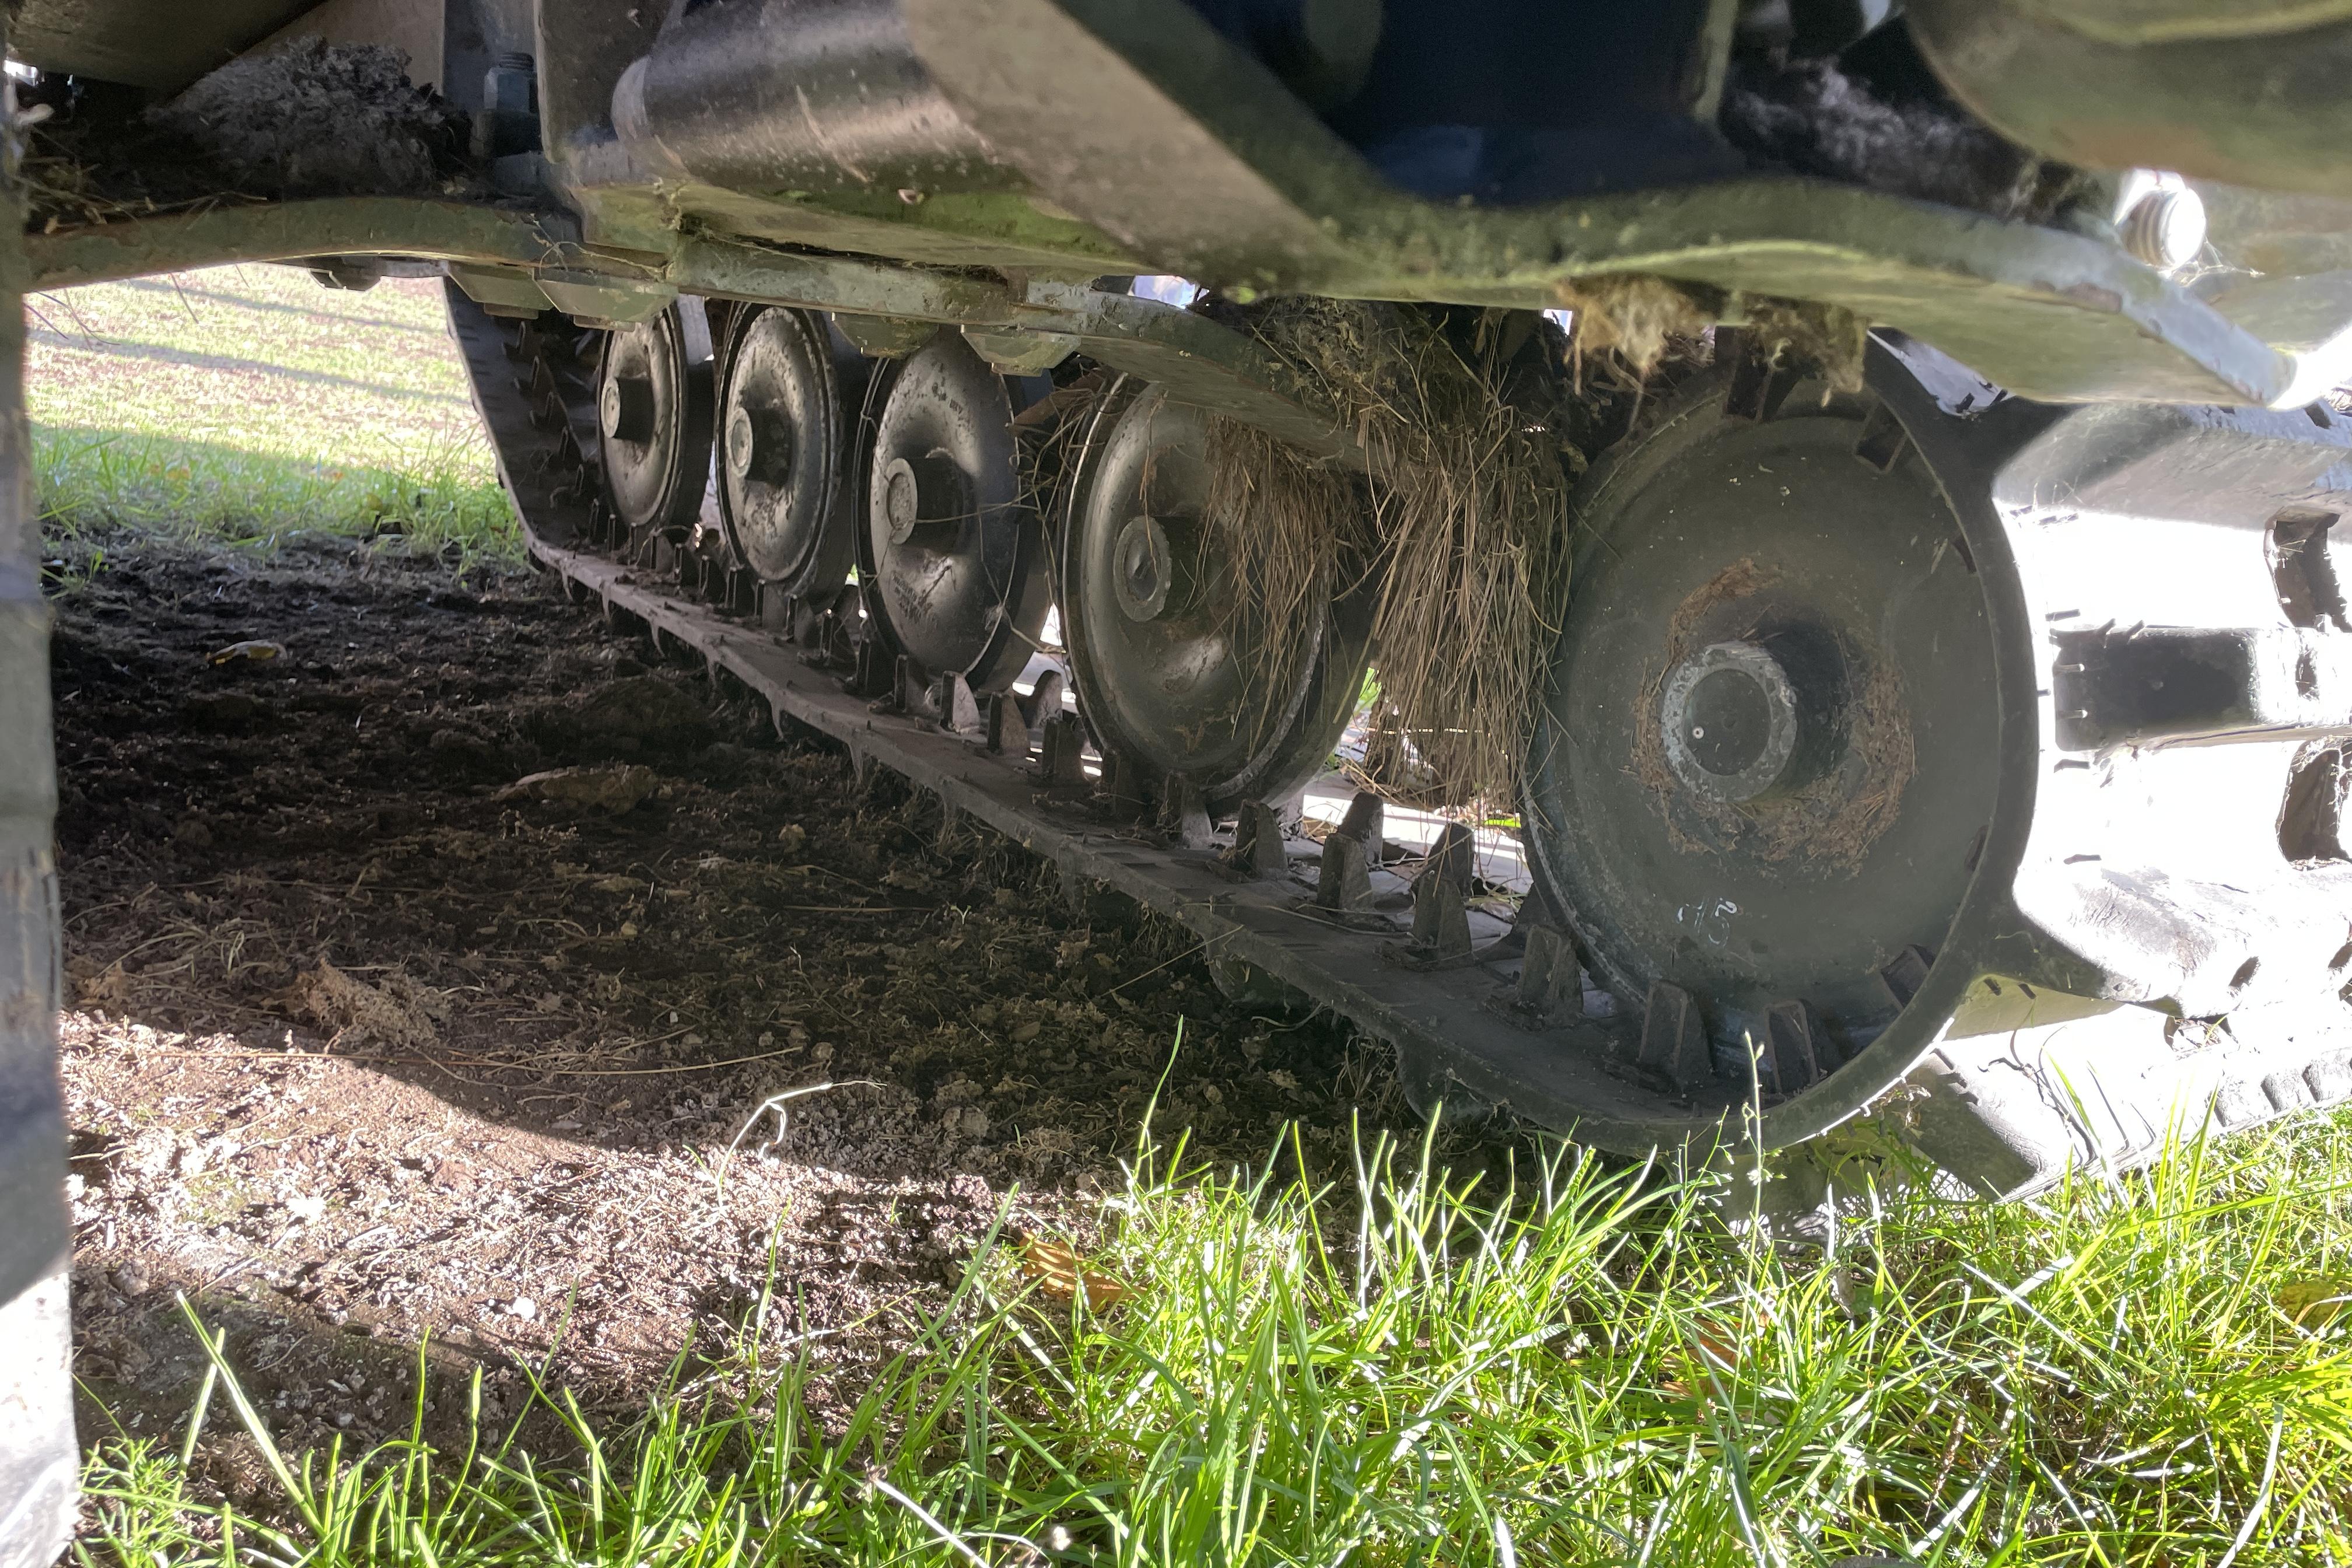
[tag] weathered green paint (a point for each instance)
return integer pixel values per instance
(1199, 361)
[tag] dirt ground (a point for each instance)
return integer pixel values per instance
(369, 1046)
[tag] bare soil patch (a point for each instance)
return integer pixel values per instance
(370, 1043)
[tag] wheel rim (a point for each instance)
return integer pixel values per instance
(1769, 746)
(653, 412)
(780, 452)
(1173, 665)
(952, 555)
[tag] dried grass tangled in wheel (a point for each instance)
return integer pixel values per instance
(1465, 525)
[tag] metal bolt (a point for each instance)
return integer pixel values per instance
(2166, 228)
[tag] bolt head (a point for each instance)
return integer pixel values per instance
(2166, 228)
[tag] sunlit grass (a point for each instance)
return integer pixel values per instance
(1384, 1365)
(247, 405)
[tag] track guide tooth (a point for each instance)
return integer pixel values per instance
(1757, 388)
(1062, 762)
(958, 710)
(1883, 440)
(1008, 733)
(1044, 701)
(1366, 823)
(1551, 978)
(1674, 1039)
(1344, 885)
(1796, 1051)
(1184, 816)
(1126, 793)
(1261, 852)
(1440, 903)
(1905, 973)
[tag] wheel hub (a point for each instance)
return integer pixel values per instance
(628, 409)
(653, 410)
(952, 555)
(1737, 724)
(1146, 570)
(1772, 741)
(1175, 666)
(758, 451)
(926, 493)
(781, 438)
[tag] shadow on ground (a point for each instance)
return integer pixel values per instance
(367, 1046)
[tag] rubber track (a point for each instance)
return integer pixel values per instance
(1449, 1039)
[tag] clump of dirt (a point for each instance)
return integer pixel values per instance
(363, 1049)
(1812, 117)
(610, 790)
(1631, 318)
(397, 1013)
(307, 119)
(315, 118)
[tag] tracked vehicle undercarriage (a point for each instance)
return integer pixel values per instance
(1923, 690)
(1836, 501)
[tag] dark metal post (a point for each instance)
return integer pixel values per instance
(38, 1458)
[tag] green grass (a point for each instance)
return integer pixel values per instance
(1377, 1366)
(1394, 1368)
(247, 405)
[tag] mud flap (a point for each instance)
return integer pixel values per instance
(37, 1457)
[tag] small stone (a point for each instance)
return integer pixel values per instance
(1026, 1031)
(524, 1307)
(132, 1279)
(610, 790)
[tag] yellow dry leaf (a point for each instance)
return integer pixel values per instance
(1715, 1340)
(252, 649)
(2315, 1303)
(1060, 1273)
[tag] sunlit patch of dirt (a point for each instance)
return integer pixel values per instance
(367, 1047)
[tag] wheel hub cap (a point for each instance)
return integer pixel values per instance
(628, 409)
(1145, 571)
(1731, 722)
